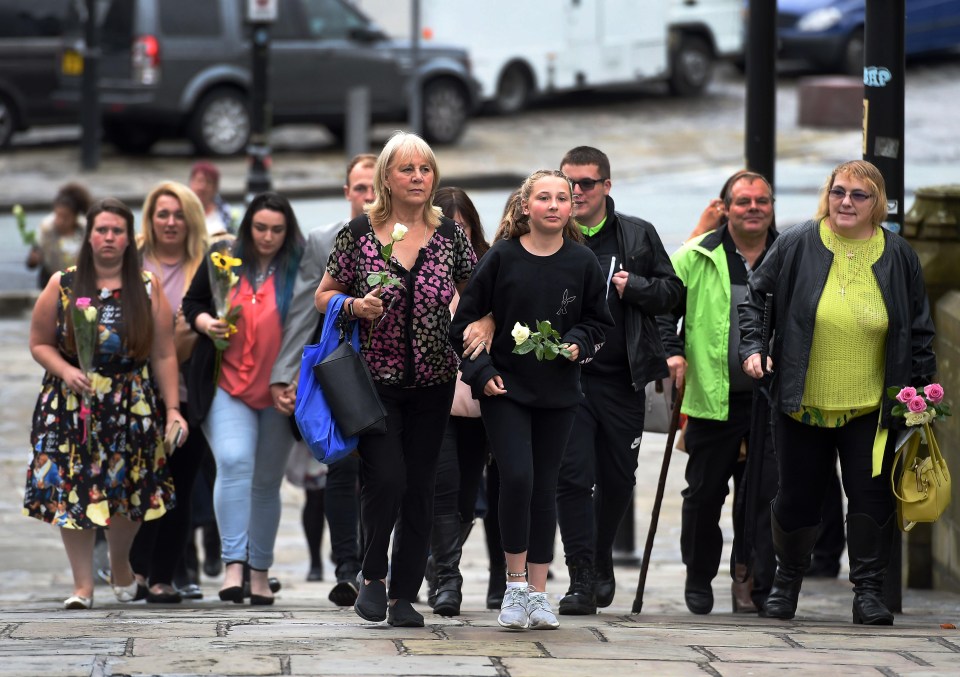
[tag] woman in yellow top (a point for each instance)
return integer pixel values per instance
(850, 319)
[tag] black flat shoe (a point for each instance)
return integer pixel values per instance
(232, 594)
(344, 593)
(371, 604)
(261, 600)
(403, 615)
(173, 597)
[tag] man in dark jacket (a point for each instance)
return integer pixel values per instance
(597, 474)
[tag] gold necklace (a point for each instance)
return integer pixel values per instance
(852, 274)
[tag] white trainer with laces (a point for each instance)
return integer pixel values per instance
(513, 610)
(540, 615)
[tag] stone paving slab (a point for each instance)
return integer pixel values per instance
(460, 666)
(180, 664)
(50, 665)
(506, 646)
(888, 659)
(532, 667)
(748, 669)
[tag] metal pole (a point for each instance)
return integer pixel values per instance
(883, 132)
(90, 92)
(883, 94)
(357, 123)
(761, 118)
(416, 96)
(258, 151)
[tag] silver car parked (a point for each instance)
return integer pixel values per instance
(174, 69)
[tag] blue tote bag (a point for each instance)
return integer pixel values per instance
(312, 412)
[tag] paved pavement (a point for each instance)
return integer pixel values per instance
(304, 634)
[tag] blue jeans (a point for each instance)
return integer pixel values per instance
(251, 448)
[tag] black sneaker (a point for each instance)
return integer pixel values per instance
(580, 599)
(403, 615)
(371, 604)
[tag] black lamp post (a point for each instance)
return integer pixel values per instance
(260, 15)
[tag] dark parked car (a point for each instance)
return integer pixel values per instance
(828, 34)
(173, 69)
(31, 45)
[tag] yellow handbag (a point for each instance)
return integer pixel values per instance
(922, 489)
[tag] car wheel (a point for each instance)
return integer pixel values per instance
(221, 123)
(130, 138)
(513, 90)
(853, 54)
(445, 111)
(691, 66)
(8, 120)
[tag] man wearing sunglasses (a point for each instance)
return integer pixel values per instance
(597, 474)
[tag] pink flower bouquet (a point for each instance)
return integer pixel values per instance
(919, 407)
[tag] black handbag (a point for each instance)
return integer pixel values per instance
(350, 391)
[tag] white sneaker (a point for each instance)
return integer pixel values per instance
(540, 615)
(513, 609)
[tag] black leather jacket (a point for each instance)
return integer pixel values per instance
(652, 288)
(795, 272)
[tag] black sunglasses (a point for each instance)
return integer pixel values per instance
(586, 185)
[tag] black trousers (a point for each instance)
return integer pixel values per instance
(599, 467)
(528, 444)
(806, 456)
(713, 449)
(398, 475)
(342, 509)
(460, 467)
(159, 544)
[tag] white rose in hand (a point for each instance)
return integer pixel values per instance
(520, 333)
(399, 232)
(90, 313)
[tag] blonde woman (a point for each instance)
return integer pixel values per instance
(173, 240)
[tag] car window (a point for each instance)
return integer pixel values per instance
(196, 18)
(290, 24)
(331, 19)
(117, 30)
(32, 18)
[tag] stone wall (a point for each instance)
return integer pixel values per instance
(946, 531)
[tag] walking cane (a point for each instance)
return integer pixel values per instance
(658, 500)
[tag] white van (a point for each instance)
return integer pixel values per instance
(522, 48)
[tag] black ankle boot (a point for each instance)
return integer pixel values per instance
(793, 557)
(497, 583)
(868, 545)
(446, 547)
(605, 583)
(581, 597)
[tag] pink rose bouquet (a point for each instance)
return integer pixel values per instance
(919, 407)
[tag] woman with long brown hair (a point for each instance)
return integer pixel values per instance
(98, 437)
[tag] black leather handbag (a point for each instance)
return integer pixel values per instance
(350, 391)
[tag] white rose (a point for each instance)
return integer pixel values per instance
(399, 232)
(90, 314)
(520, 333)
(914, 418)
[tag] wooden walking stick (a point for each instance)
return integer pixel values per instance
(658, 500)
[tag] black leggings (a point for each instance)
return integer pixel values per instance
(460, 468)
(398, 474)
(528, 444)
(805, 456)
(159, 544)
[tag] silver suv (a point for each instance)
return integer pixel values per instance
(174, 69)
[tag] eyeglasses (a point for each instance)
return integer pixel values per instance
(164, 215)
(857, 196)
(586, 185)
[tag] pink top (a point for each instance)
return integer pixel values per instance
(253, 349)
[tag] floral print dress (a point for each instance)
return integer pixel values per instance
(125, 469)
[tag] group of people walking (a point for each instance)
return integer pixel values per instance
(526, 357)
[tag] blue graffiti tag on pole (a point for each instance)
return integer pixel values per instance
(876, 76)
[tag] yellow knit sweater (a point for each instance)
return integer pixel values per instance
(845, 375)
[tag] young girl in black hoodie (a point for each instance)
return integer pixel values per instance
(535, 271)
